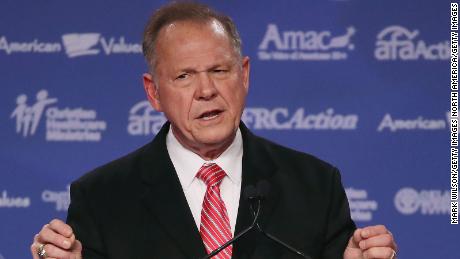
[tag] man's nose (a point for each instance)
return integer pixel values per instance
(206, 88)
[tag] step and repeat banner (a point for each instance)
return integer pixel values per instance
(364, 85)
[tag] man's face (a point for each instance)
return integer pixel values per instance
(200, 83)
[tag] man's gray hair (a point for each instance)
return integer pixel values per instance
(184, 11)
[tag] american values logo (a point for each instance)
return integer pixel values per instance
(62, 124)
(8, 201)
(74, 45)
(307, 45)
(399, 43)
(420, 123)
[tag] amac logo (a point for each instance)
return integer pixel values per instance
(396, 42)
(305, 45)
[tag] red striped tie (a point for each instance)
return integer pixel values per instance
(215, 226)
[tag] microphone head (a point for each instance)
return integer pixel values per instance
(263, 187)
(249, 192)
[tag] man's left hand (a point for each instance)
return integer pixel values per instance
(371, 242)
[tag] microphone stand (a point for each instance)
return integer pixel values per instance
(273, 238)
(234, 239)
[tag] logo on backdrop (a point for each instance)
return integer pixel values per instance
(74, 44)
(361, 206)
(281, 118)
(420, 123)
(409, 201)
(82, 44)
(144, 120)
(305, 45)
(7, 201)
(399, 43)
(62, 124)
(61, 198)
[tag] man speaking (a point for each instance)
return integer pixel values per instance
(182, 195)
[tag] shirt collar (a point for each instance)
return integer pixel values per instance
(188, 163)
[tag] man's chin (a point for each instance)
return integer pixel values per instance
(215, 136)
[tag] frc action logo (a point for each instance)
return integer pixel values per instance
(399, 43)
(62, 124)
(305, 45)
(280, 118)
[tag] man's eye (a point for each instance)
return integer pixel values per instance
(219, 70)
(182, 76)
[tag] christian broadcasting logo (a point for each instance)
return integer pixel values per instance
(399, 43)
(409, 201)
(62, 124)
(74, 44)
(305, 45)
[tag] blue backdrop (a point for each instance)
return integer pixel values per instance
(361, 84)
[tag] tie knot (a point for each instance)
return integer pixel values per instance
(211, 174)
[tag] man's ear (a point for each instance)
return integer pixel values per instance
(151, 90)
(246, 66)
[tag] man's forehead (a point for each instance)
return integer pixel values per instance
(189, 26)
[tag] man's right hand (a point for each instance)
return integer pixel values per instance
(58, 240)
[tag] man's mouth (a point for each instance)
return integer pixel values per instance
(209, 115)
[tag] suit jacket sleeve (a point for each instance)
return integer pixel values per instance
(83, 224)
(340, 226)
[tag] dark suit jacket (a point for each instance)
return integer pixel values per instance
(134, 207)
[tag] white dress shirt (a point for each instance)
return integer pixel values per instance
(187, 165)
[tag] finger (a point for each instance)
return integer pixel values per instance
(384, 240)
(60, 227)
(34, 248)
(53, 251)
(357, 236)
(47, 235)
(378, 252)
(374, 231)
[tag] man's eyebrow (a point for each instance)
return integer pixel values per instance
(211, 67)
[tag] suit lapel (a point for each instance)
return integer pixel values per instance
(165, 199)
(257, 166)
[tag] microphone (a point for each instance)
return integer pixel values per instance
(250, 193)
(255, 197)
(263, 188)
